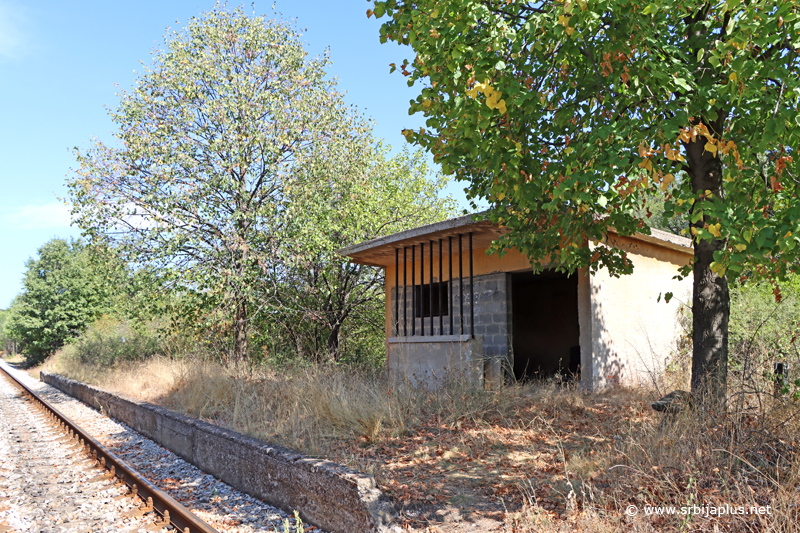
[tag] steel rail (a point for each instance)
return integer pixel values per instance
(171, 511)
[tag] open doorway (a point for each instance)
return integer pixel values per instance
(544, 322)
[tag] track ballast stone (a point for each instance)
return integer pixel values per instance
(47, 484)
(216, 503)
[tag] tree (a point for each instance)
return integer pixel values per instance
(7, 342)
(195, 188)
(62, 293)
(563, 114)
(351, 193)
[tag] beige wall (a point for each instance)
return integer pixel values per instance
(633, 333)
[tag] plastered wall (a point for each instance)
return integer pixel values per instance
(633, 330)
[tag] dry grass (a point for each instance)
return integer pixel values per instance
(146, 380)
(531, 457)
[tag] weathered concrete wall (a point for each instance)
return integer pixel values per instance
(634, 331)
(326, 494)
(433, 361)
(492, 309)
(585, 320)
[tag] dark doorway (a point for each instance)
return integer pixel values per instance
(544, 323)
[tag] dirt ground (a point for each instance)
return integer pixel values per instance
(479, 475)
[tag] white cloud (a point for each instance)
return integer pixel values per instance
(52, 215)
(13, 41)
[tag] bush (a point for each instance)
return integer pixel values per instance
(763, 331)
(111, 340)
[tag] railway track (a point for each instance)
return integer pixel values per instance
(55, 477)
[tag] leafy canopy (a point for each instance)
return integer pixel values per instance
(236, 164)
(194, 187)
(64, 290)
(565, 114)
(359, 193)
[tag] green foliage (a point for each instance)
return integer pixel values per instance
(765, 330)
(563, 114)
(110, 340)
(237, 173)
(7, 344)
(207, 139)
(359, 193)
(62, 293)
(652, 212)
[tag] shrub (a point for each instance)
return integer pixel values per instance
(111, 340)
(764, 331)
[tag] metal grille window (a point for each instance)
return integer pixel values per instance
(424, 301)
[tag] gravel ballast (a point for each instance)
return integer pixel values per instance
(211, 500)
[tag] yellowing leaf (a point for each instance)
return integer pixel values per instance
(734, 77)
(740, 247)
(748, 234)
(669, 178)
(501, 106)
(713, 229)
(710, 147)
(717, 269)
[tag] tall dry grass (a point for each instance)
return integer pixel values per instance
(146, 379)
(296, 406)
(742, 456)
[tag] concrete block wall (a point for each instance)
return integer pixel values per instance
(492, 314)
(327, 495)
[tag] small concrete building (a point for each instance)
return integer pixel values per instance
(454, 312)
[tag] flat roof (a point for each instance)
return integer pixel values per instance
(380, 251)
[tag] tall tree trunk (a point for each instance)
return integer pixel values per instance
(710, 314)
(240, 331)
(710, 297)
(333, 344)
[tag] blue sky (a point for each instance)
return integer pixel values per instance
(62, 63)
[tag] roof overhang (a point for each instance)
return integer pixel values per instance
(381, 251)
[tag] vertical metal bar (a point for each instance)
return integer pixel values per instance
(430, 287)
(413, 290)
(471, 292)
(405, 290)
(397, 292)
(450, 283)
(461, 284)
(441, 287)
(421, 287)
